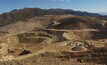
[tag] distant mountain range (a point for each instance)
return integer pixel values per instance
(26, 13)
(103, 13)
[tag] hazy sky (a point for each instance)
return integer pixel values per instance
(83, 5)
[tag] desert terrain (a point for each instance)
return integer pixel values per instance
(54, 40)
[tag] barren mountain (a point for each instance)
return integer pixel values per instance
(26, 13)
(34, 36)
(80, 23)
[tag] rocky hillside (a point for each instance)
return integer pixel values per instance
(80, 22)
(26, 13)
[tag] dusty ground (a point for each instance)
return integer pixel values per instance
(44, 40)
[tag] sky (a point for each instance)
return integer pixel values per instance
(94, 6)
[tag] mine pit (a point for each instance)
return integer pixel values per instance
(59, 41)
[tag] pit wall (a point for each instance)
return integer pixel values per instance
(29, 38)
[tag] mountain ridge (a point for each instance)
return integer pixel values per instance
(26, 13)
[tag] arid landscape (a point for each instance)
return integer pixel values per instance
(30, 36)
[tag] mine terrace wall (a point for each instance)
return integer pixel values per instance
(29, 38)
(97, 55)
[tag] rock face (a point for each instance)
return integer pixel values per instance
(24, 52)
(77, 35)
(79, 49)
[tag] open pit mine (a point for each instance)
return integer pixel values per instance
(54, 40)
